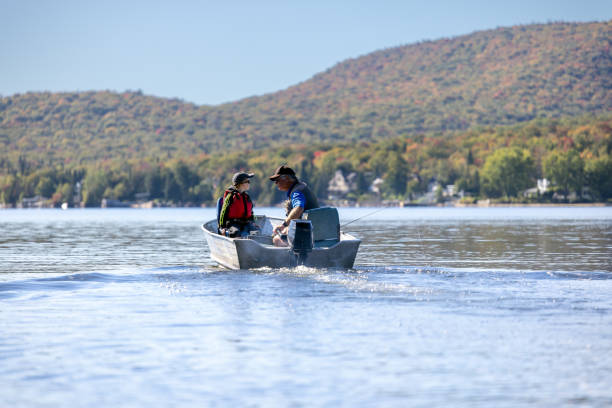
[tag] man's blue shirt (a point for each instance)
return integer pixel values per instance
(297, 198)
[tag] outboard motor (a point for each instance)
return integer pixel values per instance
(300, 238)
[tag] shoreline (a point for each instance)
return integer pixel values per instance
(380, 205)
(534, 205)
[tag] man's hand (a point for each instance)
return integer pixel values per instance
(279, 229)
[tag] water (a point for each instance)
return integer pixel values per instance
(446, 307)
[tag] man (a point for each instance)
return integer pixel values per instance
(299, 199)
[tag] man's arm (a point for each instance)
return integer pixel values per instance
(298, 201)
(294, 214)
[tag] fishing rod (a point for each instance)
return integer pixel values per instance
(363, 216)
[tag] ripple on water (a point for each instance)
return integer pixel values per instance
(441, 309)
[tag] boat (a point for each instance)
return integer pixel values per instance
(316, 241)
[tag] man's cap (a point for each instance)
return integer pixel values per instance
(282, 170)
(241, 177)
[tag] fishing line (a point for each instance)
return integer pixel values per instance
(367, 215)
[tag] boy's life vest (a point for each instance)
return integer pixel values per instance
(237, 207)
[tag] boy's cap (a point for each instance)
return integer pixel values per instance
(241, 177)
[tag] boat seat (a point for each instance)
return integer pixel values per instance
(262, 239)
(325, 225)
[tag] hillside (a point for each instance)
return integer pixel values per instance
(502, 76)
(496, 77)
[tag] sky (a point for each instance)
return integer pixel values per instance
(212, 52)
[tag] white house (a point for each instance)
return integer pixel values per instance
(543, 185)
(541, 188)
(375, 186)
(340, 186)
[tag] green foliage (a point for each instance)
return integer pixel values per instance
(9, 189)
(95, 185)
(45, 187)
(154, 183)
(566, 170)
(506, 172)
(396, 177)
(599, 177)
(469, 183)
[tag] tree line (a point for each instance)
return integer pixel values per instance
(500, 163)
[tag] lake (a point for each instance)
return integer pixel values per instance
(462, 307)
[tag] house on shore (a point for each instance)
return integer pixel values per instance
(34, 202)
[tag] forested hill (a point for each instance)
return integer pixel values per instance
(502, 76)
(495, 77)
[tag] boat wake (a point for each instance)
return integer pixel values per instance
(416, 281)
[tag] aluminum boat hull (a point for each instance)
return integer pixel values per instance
(258, 251)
